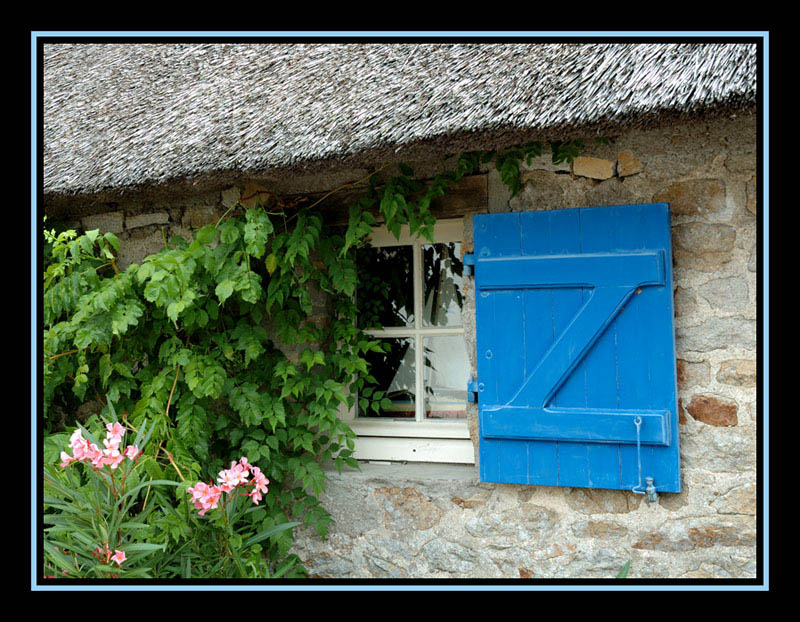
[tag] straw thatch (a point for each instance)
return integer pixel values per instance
(119, 117)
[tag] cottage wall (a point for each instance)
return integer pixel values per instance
(439, 521)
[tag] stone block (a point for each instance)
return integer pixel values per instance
(713, 410)
(590, 501)
(593, 168)
(692, 374)
(716, 333)
(230, 196)
(741, 162)
(599, 529)
(750, 192)
(703, 246)
(611, 192)
(719, 449)
(406, 508)
(730, 294)
(542, 191)
(135, 249)
(685, 302)
(738, 500)
(701, 533)
(628, 164)
(695, 196)
(200, 216)
(450, 557)
(110, 222)
(143, 220)
(738, 373)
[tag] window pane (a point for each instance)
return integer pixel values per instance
(442, 285)
(385, 295)
(445, 374)
(395, 373)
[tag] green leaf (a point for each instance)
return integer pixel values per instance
(105, 369)
(207, 234)
(228, 232)
(624, 572)
(263, 535)
(112, 239)
(143, 546)
(272, 262)
(224, 290)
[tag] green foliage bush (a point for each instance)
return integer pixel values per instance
(191, 344)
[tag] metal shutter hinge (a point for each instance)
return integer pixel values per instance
(472, 390)
(469, 263)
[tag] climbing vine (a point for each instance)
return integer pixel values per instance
(215, 344)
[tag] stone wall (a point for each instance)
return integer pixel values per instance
(427, 521)
(439, 521)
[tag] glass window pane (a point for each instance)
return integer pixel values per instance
(446, 373)
(385, 295)
(395, 373)
(442, 284)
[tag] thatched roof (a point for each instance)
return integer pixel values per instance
(121, 116)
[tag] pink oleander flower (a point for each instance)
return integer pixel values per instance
(112, 442)
(204, 497)
(227, 481)
(76, 439)
(85, 451)
(115, 429)
(132, 451)
(259, 479)
(233, 477)
(80, 449)
(119, 557)
(95, 455)
(259, 482)
(112, 458)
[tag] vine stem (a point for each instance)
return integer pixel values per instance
(166, 416)
(228, 538)
(228, 211)
(172, 462)
(63, 354)
(174, 382)
(147, 494)
(343, 186)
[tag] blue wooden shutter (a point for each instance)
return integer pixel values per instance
(575, 348)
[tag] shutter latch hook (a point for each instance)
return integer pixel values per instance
(650, 490)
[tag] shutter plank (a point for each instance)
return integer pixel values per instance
(538, 305)
(601, 362)
(501, 461)
(663, 465)
(632, 332)
(509, 350)
(573, 458)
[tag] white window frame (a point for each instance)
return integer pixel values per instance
(421, 440)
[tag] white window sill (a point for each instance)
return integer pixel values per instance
(394, 472)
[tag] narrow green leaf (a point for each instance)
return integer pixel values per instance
(269, 532)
